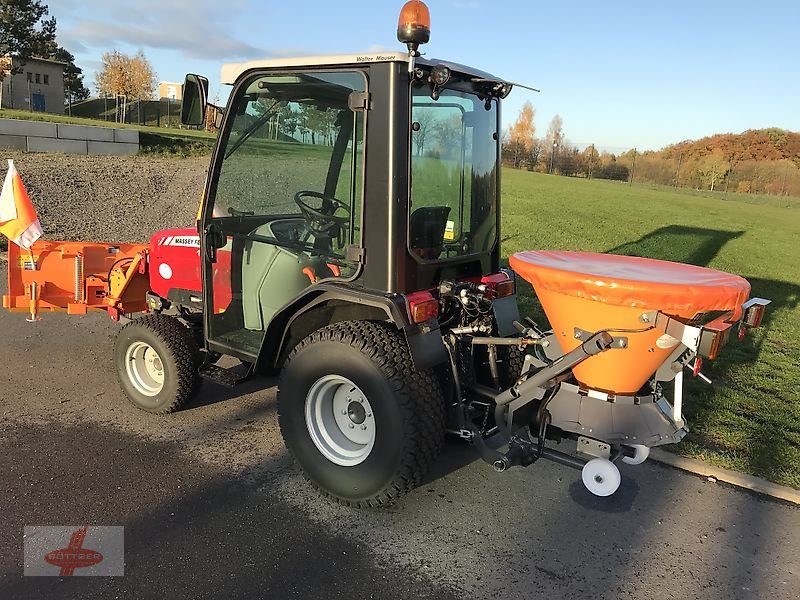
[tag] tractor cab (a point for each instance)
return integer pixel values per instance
(366, 176)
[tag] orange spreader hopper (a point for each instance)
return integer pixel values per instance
(596, 292)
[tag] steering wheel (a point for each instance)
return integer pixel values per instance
(322, 220)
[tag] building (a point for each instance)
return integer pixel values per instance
(39, 87)
(168, 90)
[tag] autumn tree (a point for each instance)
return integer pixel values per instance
(124, 77)
(144, 81)
(712, 168)
(112, 78)
(609, 168)
(536, 152)
(588, 161)
(568, 159)
(522, 135)
(25, 32)
(555, 131)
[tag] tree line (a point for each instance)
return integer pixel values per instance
(27, 32)
(762, 161)
(291, 121)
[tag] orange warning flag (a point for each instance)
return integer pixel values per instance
(18, 220)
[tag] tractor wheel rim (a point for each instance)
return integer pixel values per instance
(145, 369)
(340, 421)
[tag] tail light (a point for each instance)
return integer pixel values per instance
(422, 306)
(716, 333)
(502, 283)
(754, 310)
(713, 337)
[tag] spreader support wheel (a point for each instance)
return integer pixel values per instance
(601, 477)
(642, 452)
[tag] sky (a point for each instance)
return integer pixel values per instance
(621, 74)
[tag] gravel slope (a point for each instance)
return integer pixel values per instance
(110, 198)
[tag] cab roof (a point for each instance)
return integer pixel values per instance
(232, 71)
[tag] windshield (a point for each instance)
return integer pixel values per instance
(453, 174)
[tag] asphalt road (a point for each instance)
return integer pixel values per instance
(212, 505)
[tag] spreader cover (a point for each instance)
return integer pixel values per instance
(593, 291)
(672, 288)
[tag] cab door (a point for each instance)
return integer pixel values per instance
(284, 200)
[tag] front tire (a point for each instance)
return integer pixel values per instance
(362, 422)
(157, 363)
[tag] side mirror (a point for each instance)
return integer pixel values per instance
(195, 100)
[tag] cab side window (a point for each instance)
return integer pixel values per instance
(295, 149)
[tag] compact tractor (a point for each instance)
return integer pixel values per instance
(349, 241)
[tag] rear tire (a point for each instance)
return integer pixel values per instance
(157, 363)
(325, 382)
(510, 362)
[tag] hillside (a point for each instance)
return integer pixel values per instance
(762, 161)
(756, 161)
(751, 145)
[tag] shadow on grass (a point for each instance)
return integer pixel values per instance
(690, 245)
(760, 422)
(699, 246)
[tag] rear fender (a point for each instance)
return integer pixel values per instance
(328, 303)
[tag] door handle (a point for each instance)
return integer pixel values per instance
(214, 239)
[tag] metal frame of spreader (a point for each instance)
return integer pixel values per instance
(605, 425)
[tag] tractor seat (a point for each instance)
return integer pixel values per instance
(272, 276)
(426, 231)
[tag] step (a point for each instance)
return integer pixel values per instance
(228, 377)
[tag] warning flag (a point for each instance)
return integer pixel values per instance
(18, 220)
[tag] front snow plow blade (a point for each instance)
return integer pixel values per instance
(76, 277)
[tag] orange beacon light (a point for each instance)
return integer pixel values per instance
(414, 25)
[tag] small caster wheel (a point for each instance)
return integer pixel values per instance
(642, 452)
(601, 477)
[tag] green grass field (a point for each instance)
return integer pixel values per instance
(749, 420)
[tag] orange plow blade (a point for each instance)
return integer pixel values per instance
(77, 277)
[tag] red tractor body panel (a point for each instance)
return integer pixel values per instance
(175, 265)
